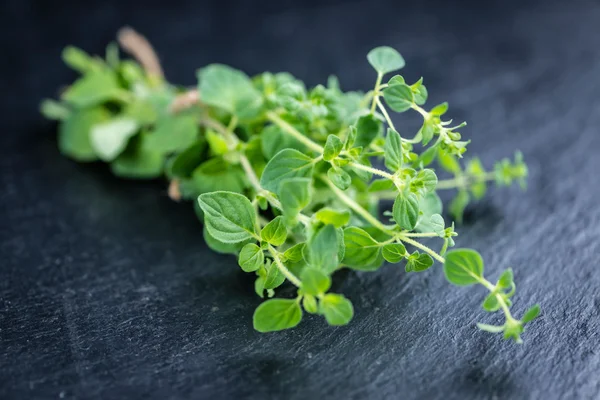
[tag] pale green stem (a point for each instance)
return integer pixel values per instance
(372, 170)
(419, 234)
(385, 114)
(418, 245)
(367, 216)
(376, 92)
(286, 272)
(464, 180)
(276, 119)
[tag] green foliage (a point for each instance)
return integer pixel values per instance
(287, 176)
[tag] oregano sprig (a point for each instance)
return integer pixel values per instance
(288, 178)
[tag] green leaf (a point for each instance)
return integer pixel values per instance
(393, 252)
(393, 150)
(339, 177)
(425, 181)
(491, 304)
(385, 59)
(448, 162)
(74, 133)
(429, 205)
(275, 232)
(142, 111)
(251, 258)
(333, 147)
(227, 88)
(506, 279)
(79, 60)
(93, 88)
(186, 162)
(51, 109)
(315, 282)
(222, 248)
(276, 315)
(475, 169)
(398, 97)
(229, 217)
(363, 175)
(273, 140)
(426, 131)
(362, 251)
(337, 309)
(217, 174)
(436, 222)
(173, 134)
(463, 267)
(406, 210)
(439, 110)
(418, 262)
(274, 277)
(294, 194)
(351, 138)
(138, 162)
(322, 249)
(531, 314)
(420, 92)
(367, 129)
(334, 217)
(110, 139)
(288, 163)
(458, 204)
(295, 253)
(379, 185)
(310, 304)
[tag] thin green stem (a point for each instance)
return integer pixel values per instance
(464, 180)
(418, 245)
(385, 114)
(372, 170)
(420, 110)
(367, 216)
(289, 129)
(376, 92)
(419, 234)
(286, 272)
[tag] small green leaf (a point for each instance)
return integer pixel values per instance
(333, 147)
(367, 129)
(394, 252)
(186, 162)
(429, 205)
(295, 253)
(217, 174)
(230, 89)
(531, 314)
(229, 217)
(458, 204)
(506, 279)
(439, 110)
(393, 150)
(322, 249)
(420, 92)
(275, 232)
(362, 251)
(138, 162)
(406, 210)
(418, 262)
(276, 315)
(491, 304)
(251, 258)
(351, 138)
(74, 133)
(273, 140)
(339, 177)
(288, 163)
(79, 60)
(425, 181)
(448, 162)
(398, 97)
(294, 194)
(463, 267)
(385, 59)
(379, 185)
(334, 217)
(173, 134)
(314, 282)
(274, 277)
(426, 131)
(220, 247)
(93, 88)
(436, 222)
(337, 309)
(110, 139)
(310, 304)
(51, 109)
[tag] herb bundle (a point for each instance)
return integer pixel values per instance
(282, 175)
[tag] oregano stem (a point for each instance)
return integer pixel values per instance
(286, 127)
(464, 180)
(376, 91)
(421, 246)
(385, 114)
(372, 170)
(286, 272)
(367, 216)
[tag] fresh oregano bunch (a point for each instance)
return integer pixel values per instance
(282, 174)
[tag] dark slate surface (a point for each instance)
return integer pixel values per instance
(107, 290)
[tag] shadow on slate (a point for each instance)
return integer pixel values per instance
(108, 291)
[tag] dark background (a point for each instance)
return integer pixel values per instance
(108, 291)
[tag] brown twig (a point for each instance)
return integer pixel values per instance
(141, 49)
(185, 100)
